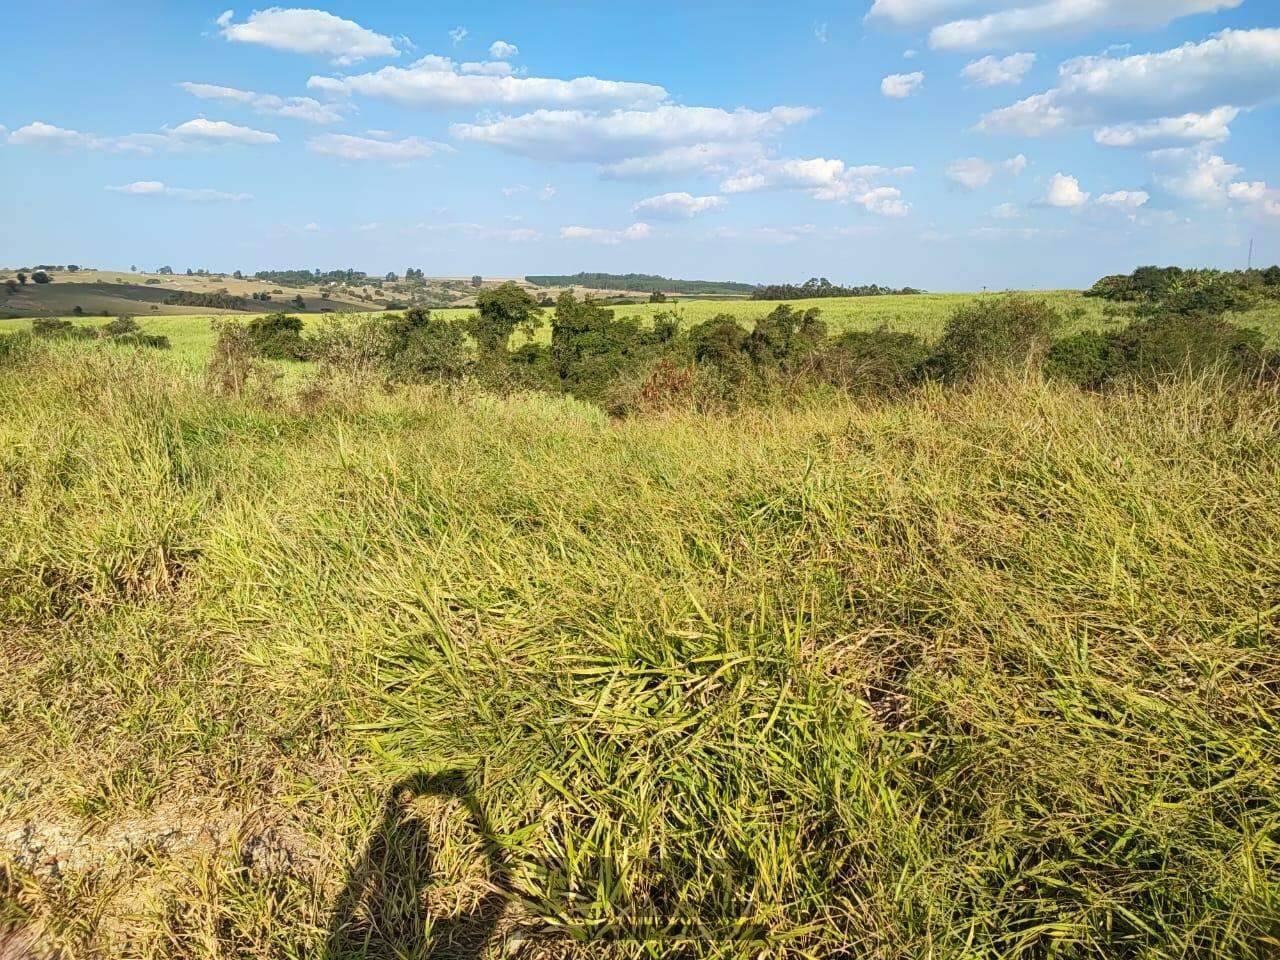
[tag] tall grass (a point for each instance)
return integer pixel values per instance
(984, 672)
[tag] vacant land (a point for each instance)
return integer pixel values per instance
(983, 671)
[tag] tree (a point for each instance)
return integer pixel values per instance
(165, 271)
(11, 286)
(22, 278)
(238, 275)
(391, 277)
(190, 273)
(500, 312)
(41, 276)
(477, 280)
(657, 297)
(299, 302)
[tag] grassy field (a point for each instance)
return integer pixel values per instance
(923, 314)
(984, 672)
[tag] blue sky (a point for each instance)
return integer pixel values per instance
(948, 144)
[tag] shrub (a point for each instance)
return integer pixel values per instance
(1191, 344)
(500, 312)
(876, 361)
(991, 334)
(786, 339)
(52, 328)
(235, 369)
(121, 325)
(1088, 359)
(591, 350)
(40, 276)
(278, 336)
(421, 347)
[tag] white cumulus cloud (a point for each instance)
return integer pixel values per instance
(1169, 131)
(1007, 24)
(975, 172)
(825, 179)
(999, 71)
(436, 82)
(194, 134)
(1232, 69)
(898, 86)
(309, 31)
(501, 50)
(1065, 192)
(677, 206)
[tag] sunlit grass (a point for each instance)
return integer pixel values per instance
(980, 673)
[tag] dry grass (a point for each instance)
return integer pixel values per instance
(981, 673)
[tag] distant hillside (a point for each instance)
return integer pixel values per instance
(644, 283)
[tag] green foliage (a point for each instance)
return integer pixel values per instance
(121, 325)
(875, 361)
(993, 334)
(420, 347)
(816, 287)
(53, 328)
(278, 336)
(40, 276)
(591, 350)
(500, 312)
(220, 300)
(786, 339)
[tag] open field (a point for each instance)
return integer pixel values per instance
(986, 671)
(923, 314)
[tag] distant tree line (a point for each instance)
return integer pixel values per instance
(302, 278)
(642, 283)
(822, 287)
(1155, 284)
(220, 300)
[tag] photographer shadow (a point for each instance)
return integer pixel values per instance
(383, 911)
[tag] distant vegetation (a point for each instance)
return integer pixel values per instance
(306, 278)
(822, 287)
(643, 283)
(627, 366)
(220, 300)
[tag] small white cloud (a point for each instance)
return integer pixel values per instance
(40, 134)
(637, 231)
(1170, 131)
(825, 179)
(975, 172)
(312, 228)
(501, 50)
(457, 35)
(220, 131)
(310, 31)
(910, 54)
(1006, 211)
(347, 147)
(1065, 192)
(677, 206)
(225, 17)
(515, 190)
(999, 71)
(899, 86)
(1125, 201)
(548, 192)
(820, 32)
(155, 188)
(297, 108)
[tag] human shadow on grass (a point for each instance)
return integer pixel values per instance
(382, 911)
